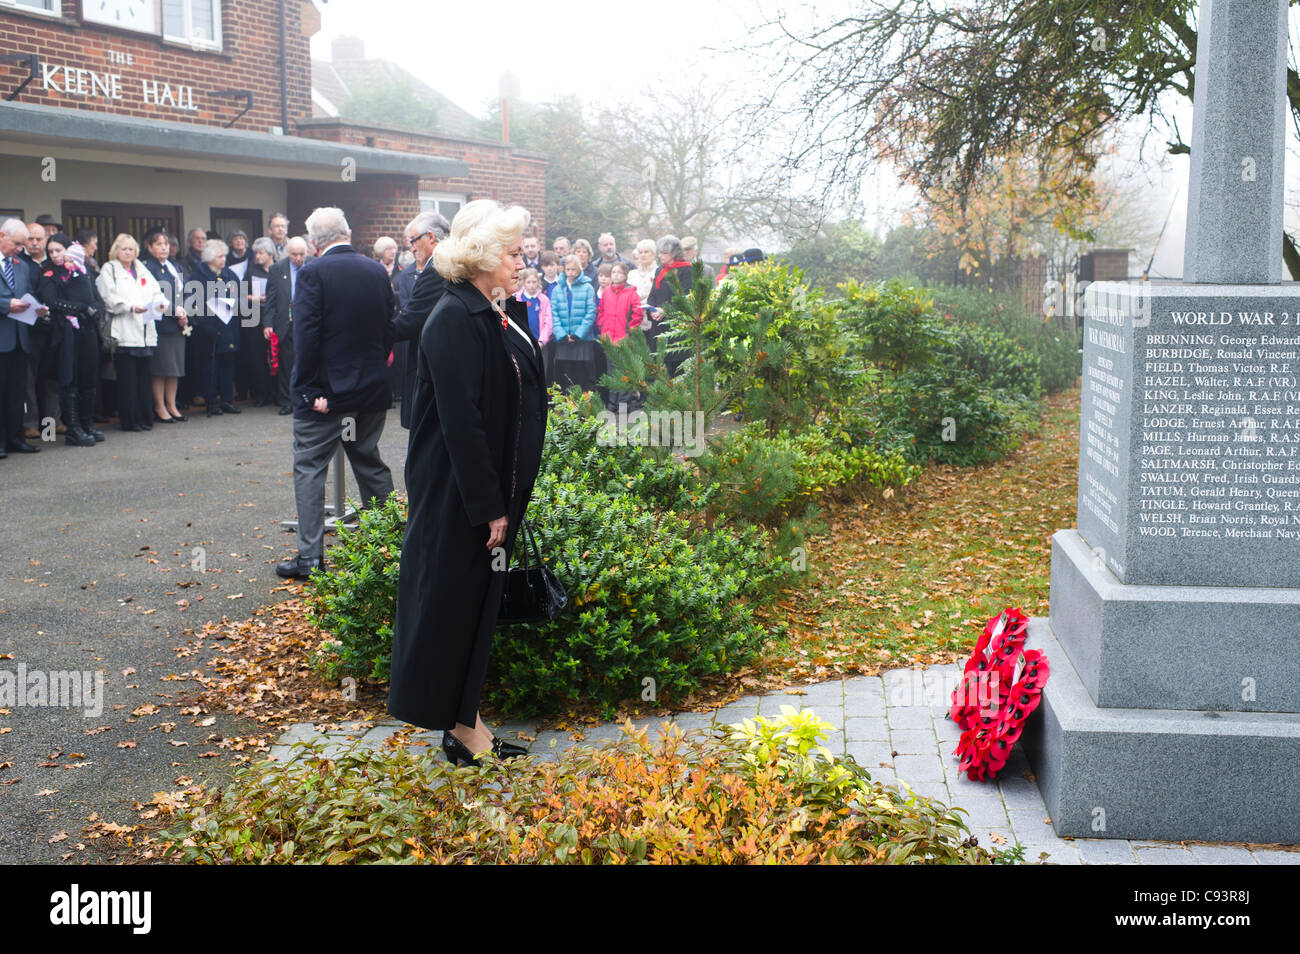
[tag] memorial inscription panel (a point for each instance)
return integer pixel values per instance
(1189, 469)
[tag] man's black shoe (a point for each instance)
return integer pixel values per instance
(21, 447)
(259, 402)
(299, 568)
(228, 407)
(286, 410)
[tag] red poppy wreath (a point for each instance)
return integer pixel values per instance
(1001, 685)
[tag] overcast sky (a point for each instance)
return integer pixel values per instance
(618, 52)
(607, 51)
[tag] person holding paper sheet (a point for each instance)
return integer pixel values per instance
(130, 294)
(253, 377)
(15, 344)
(219, 325)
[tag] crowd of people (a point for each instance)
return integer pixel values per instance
(157, 329)
(458, 324)
(143, 334)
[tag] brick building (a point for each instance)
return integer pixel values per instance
(122, 115)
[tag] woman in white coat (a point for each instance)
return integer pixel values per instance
(134, 301)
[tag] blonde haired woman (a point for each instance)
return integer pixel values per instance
(134, 300)
(385, 249)
(478, 416)
(643, 276)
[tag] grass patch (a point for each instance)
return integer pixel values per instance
(908, 580)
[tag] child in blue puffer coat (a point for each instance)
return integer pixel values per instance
(573, 304)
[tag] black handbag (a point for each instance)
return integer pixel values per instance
(533, 594)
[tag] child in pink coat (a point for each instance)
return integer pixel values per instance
(619, 310)
(539, 306)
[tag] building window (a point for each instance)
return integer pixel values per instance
(446, 204)
(196, 22)
(225, 221)
(43, 6)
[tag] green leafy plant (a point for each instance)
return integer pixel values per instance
(781, 348)
(655, 593)
(765, 793)
(1057, 349)
(761, 478)
(353, 601)
(893, 325)
(943, 414)
(996, 360)
(651, 599)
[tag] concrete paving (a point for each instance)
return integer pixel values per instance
(98, 572)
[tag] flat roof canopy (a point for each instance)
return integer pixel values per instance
(84, 129)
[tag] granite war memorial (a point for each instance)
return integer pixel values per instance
(1173, 711)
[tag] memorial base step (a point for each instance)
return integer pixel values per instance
(1160, 774)
(1174, 647)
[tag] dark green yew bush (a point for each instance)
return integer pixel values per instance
(650, 599)
(1057, 350)
(944, 414)
(354, 600)
(653, 594)
(995, 360)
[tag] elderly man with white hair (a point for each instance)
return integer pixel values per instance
(423, 233)
(277, 315)
(342, 314)
(15, 342)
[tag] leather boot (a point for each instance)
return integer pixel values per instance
(86, 410)
(75, 435)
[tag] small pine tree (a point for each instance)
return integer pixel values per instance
(697, 385)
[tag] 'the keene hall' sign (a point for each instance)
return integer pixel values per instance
(88, 84)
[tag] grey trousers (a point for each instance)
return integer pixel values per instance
(314, 442)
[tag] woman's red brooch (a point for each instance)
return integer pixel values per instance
(1001, 685)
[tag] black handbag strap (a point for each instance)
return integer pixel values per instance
(530, 546)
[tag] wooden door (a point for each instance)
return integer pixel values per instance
(110, 219)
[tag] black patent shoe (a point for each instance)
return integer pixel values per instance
(507, 750)
(457, 752)
(228, 408)
(214, 410)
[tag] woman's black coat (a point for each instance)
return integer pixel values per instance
(476, 430)
(225, 337)
(172, 290)
(66, 292)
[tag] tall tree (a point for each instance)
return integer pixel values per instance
(946, 90)
(580, 199)
(683, 164)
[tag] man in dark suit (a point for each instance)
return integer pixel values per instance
(194, 255)
(277, 316)
(15, 343)
(42, 390)
(423, 233)
(342, 334)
